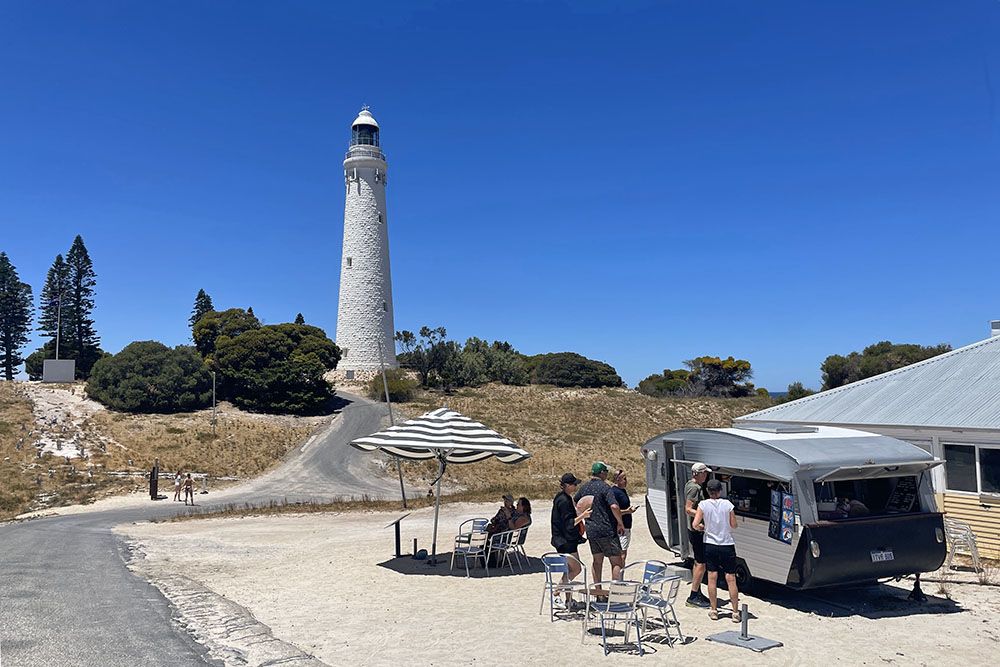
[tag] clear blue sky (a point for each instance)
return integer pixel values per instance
(778, 181)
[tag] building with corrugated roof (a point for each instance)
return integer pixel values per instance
(948, 405)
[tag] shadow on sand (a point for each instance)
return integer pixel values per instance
(873, 602)
(411, 566)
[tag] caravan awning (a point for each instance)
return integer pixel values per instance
(737, 471)
(876, 470)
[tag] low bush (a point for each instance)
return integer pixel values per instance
(569, 369)
(148, 376)
(401, 386)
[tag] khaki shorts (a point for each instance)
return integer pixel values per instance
(625, 539)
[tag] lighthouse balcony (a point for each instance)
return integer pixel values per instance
(365, 151)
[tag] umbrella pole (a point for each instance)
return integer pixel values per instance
(437, 510)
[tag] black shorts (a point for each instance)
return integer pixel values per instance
(609, 546)
(697, 539)
(721, 558)
(568, 548)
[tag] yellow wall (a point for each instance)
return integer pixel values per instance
(985, 521)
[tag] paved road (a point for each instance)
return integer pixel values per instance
(67, 598)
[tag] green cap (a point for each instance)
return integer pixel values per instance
(598, 468)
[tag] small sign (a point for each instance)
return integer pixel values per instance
(781, 523)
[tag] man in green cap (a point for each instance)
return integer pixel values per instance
(605, 523)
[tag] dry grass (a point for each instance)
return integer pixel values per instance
(244, 445)
(568, 429)
(121, 448)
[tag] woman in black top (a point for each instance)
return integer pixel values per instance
(566, 537)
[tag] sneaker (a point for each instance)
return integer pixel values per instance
(576, 605)
(700, 602)
(713, 614)
(736, 617)
(558, 604)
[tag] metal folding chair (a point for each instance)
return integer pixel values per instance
(465, 531)
(475, 549)
(556, 569)
(622, 605)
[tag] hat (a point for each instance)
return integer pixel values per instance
(714, 486)
(598, 468)
(699, 468)
(509, 498)
(569, 478)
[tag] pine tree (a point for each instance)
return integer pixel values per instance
(15, 317)
(56, 289)
(299, 319)
(250, 311)
(82, 280)
(202, 305)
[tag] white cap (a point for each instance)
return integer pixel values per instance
(699, 468)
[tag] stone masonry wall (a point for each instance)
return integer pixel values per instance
(364, 315)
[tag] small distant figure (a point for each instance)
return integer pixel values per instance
(188, 489)
(178, 480)
(430, 492)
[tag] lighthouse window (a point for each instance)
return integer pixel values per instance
(380, 218)
(385, 306)
(350, 262)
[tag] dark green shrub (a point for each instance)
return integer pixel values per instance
(213, 325)
(569, 369)
(148, 376)
(276, 368)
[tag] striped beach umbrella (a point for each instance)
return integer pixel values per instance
(446, 436)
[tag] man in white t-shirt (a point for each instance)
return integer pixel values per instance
(716, 517)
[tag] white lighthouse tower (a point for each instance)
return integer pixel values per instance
(364, 316)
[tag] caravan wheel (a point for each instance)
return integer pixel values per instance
(744, 580)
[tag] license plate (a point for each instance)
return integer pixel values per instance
(882, 556)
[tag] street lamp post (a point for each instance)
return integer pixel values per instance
(392, 422)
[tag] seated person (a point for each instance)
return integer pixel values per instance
(500, 523)
(854, 508)
(521, 516)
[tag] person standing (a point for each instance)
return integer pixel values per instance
(605, 523)
(717, 518)
(694, 493)
(188, 489)
(566, 538)
(625, 505)
(178, 480)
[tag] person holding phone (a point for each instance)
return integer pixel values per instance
(625, 504)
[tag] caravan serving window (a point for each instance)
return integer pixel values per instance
(751, 496)
(864, 498)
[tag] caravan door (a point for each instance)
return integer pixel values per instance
(662, 498)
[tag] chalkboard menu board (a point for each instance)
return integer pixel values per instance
(903, 496)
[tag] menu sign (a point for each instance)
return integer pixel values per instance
(903, 496)
(781, 523)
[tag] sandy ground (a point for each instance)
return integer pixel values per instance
(328, 585)
(60, 415)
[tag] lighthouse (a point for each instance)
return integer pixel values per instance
(364, 315)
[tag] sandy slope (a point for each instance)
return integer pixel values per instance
(326, 584)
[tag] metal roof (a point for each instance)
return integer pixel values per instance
(959, 389)
(784, 454)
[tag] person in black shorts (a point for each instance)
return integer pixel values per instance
(694, 493)
(566, 536)
(605, 523)
(717, 518)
